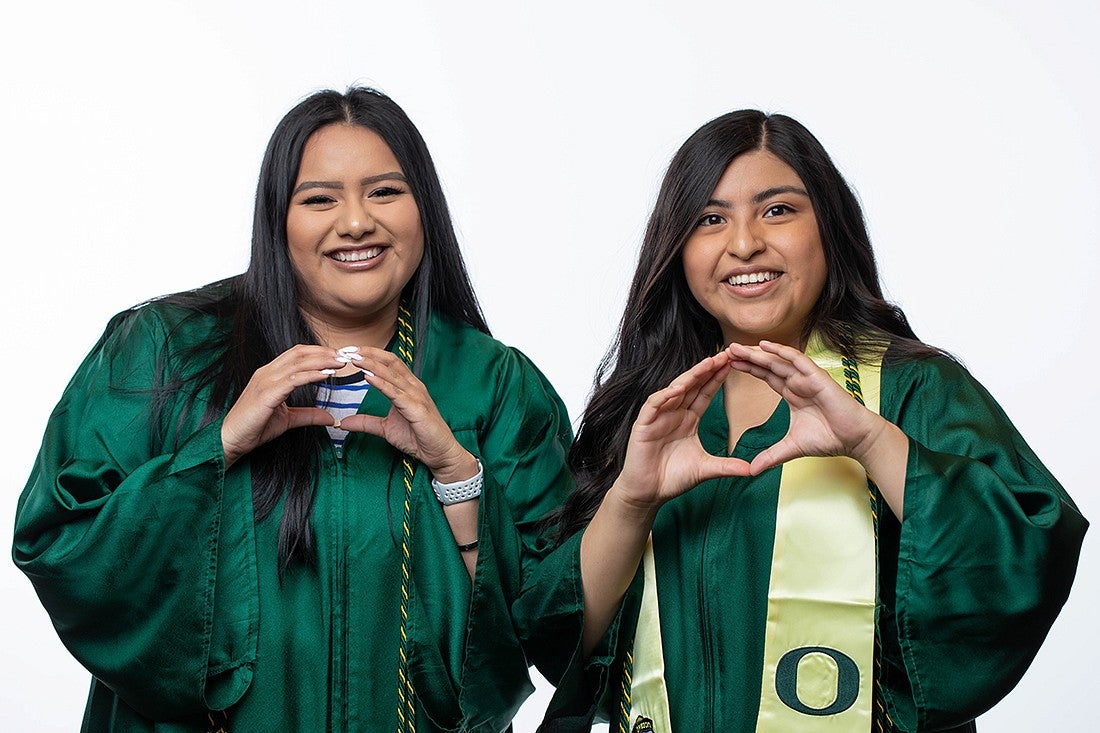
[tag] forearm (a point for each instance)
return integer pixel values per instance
(463, 516)
(884, 455)
(611, 548)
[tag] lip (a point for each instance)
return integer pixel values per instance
(358, 265)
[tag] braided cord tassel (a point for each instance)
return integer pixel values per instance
(406, 698)
(883, 723)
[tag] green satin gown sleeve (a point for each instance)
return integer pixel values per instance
(522, 441)
(550, 614)
(140, 548)
(986, 554)
(970, 582)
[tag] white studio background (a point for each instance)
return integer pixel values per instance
(133, 133)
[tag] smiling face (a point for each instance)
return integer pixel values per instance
(754, 260)
(353, 229)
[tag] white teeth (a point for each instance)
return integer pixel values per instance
(753, 277)
(358, 255)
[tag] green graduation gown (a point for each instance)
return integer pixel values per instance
(970, 582)
(143, 549)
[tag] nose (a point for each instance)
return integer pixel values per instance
(354, 220)
(744, 241)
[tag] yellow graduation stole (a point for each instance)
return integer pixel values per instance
(646, 697)
(819, 642)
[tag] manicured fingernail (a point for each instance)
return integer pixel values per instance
(368, 372)
(328, 372)
(348, 350)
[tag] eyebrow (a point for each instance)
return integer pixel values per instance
(390, 176)
(762, 196)
(777, 190)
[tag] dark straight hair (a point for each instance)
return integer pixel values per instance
(664, 330)
(263, 303)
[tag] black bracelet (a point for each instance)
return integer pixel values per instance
(467, 548)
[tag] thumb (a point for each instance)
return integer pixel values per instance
(370, 424)
(781, 452)
(719, 467)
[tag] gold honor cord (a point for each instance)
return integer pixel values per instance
(406, 698)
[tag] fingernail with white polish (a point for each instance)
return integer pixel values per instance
(348, 350)
(328, 372)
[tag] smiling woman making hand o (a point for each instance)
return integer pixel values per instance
(259, 505)
(796, 516)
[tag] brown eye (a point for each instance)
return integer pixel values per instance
(778, 210)
(709, 220)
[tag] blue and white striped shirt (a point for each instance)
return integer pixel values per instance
(341, 397)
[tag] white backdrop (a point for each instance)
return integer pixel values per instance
(133, 133)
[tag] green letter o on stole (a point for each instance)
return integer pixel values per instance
(847, 681)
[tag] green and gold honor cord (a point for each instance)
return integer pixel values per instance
(624, 691)
(406, 698)
(883, 723)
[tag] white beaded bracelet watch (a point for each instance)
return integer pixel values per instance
(459, 491)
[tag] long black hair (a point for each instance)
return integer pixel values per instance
(262, 304)
(664, 330)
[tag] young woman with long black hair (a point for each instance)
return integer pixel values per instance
(791, 514)
(303, 498)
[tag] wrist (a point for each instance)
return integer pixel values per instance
(628, 508)
(878, 444)
(230, 454)
(458, 467)
(456, 492)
